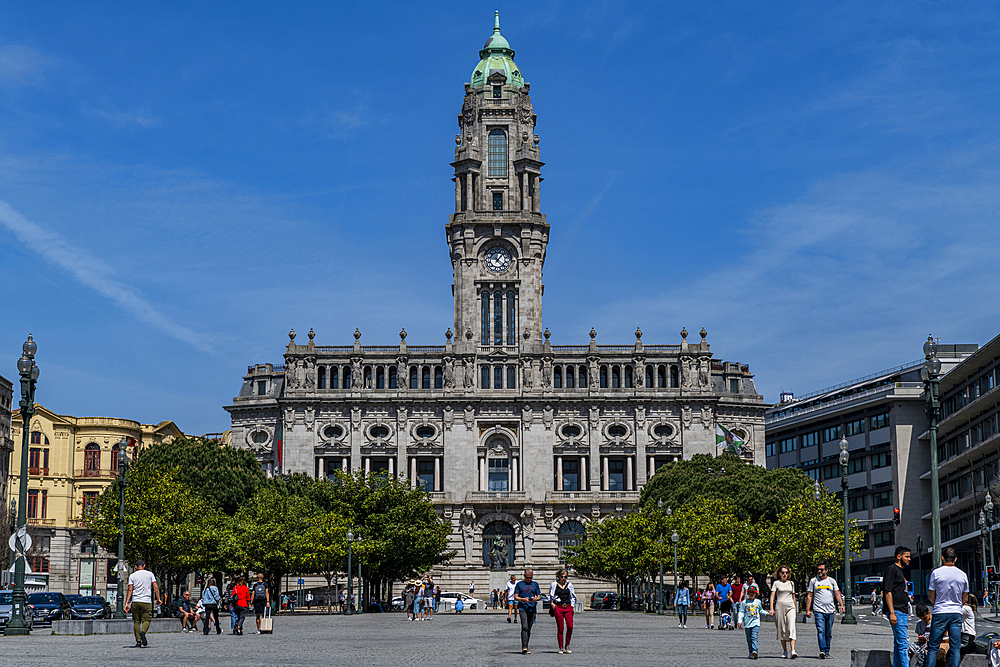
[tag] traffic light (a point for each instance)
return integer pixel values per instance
(895, 516)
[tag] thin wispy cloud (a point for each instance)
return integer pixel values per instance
(94, 274)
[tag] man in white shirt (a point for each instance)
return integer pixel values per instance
(823, 594)
(142, 590)
(510, 597)
(948, 591)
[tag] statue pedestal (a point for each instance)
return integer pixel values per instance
(499, 579)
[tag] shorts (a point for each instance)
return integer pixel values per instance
(258, 607)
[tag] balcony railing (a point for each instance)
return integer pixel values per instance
(97, 474)
(479, 496)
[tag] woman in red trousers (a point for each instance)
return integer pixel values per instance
(562, 597)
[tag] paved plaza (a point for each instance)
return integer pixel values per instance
(600, 638)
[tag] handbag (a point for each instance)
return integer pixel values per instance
(266, 622)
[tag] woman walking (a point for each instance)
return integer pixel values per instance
(241, 599)
(708, 601)
(563, 600)
(783, 611)
(682, 600)
(210, 597)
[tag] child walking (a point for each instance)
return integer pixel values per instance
(748, 617)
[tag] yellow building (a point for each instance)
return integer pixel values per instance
(70, 462)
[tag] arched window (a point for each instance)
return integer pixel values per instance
(615, 377)
(649, 376)
(438, 378)
(413, 378)
(661, 377)
(486, 318)
(557, 378)
(393, 378)
(583, 377)
(380, 377)
(426, 378)
(321, 378)
(92, 460)
(674, 379)
(498, 545)
(485, 373)
(571, 533)
(498, 152)
(511, 325)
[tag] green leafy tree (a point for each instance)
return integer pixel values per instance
(225, 476)
(754, 492)
(167, 524)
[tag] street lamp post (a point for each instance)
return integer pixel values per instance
(932, 369)
(350, 575)
(122, 480)
(989, 539)
(848, 618)
(29, 376)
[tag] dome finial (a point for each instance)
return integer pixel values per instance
(496, 21)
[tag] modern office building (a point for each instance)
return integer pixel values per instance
(969, 455)
(71, 460)
(883, 418)
(519, 441)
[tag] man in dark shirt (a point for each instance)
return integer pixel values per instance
(897, 603)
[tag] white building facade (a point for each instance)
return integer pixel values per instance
(519, 442)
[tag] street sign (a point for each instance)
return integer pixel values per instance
(21, 534)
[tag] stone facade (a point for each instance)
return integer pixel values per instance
(519, 442)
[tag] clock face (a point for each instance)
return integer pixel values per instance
(497, 259)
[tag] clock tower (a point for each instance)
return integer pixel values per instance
(497, 236)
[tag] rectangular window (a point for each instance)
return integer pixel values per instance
(769, 449)
(734, 386)
(571, 475)
(878, 421)
(856, 465)
(497, 201)
(883, 499)
(498, 475)
(498, 377)
(32, 503)
(262, 387)
(858, 504)
(881, 460)
(831, 434)
(810, 439)
(855, 427)
(616, 475)
(884, 538)
(425, 475)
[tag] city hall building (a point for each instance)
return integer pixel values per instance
(518, 440)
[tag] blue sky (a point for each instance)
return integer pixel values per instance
(182, 183)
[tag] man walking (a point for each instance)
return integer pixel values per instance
(948, 590)
(820, 598)
(261, 597)
(510, 596)
(142, 590)
(527, 594)
(897, 599)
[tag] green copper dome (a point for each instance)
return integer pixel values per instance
(496, 55)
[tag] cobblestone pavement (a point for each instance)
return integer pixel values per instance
(601, 638)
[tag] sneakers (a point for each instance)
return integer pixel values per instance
(142, 638)
(793, 655)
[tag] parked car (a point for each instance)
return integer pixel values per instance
(604, 600)
(90, 606)
(7, 605)
(467, 600)
(49, 607)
